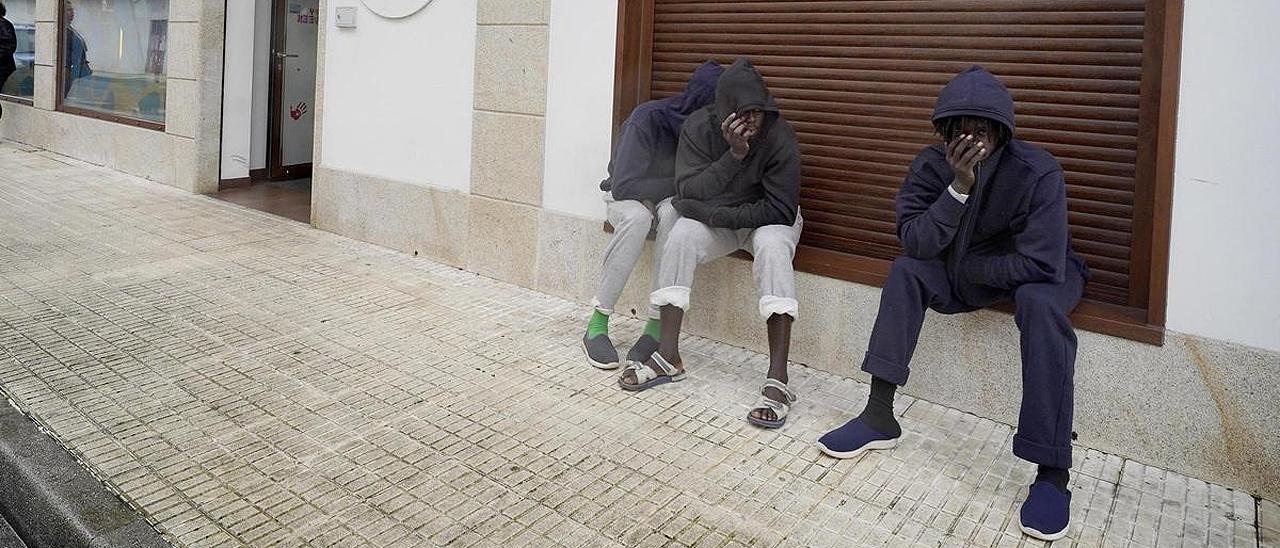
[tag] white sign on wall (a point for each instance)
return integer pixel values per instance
(395, 9)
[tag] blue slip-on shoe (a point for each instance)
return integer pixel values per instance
(1046, 513)
(853, 438)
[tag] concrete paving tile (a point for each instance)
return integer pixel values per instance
(245, 379)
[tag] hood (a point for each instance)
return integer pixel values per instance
(670, 113)
(976, 92)
(741, 87)
(700, 90)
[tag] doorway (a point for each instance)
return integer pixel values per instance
(295, 31)
(268, 106)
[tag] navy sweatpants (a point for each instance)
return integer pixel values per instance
(1048, 348)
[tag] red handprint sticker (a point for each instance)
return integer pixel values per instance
(296, 111)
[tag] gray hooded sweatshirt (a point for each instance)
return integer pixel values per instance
(763, 188)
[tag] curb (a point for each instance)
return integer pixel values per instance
(52, 501)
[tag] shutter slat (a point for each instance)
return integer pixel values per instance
(1004, 17)
(707, 50)
(673, 63)
(933, 6)
(909, 33)
(858, 81)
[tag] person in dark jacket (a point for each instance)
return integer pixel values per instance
(8, 45)
(76, 62)
(983, 218)
(640, 186)
(738, 187)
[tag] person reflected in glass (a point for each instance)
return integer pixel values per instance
(8, 45)
(77, 54)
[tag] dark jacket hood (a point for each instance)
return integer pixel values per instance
(700, 90)
(976, 92)
(741, 87)
(670, 113)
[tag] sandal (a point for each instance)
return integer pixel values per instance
(646, 378)
(779, 408)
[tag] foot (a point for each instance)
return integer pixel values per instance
(764, 413)
(645, 346)
(774, 406)
(854, 438)
(600, 351)
(628, 378)
(1046, 514)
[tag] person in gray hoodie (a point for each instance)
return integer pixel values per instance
(738, 187)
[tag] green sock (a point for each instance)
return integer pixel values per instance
(597, 325)
(653, 328)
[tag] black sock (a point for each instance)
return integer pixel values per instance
(879, 411)
(1057, 476)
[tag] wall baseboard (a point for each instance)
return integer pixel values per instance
(255, 176)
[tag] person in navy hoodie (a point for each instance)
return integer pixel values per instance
(983, 218)
(639, 189)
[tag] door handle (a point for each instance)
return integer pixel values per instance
(283, 55)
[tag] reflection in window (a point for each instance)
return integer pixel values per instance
(18, 79)
(113, 56)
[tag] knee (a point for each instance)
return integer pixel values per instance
(773, 243)
(666, 212)
(1036, 301)
(632, 215)
(774, 250)
(905, 267)
(685, 230)
(683, 237)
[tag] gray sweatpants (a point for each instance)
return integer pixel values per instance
(692, 243)
(631, 222)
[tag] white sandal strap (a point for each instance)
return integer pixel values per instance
(664, 365)
(780, 409)
(779, 386)
(642, 372)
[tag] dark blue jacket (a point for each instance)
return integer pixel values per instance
(1012, 230)
(643, 164)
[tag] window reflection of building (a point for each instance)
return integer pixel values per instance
(114, 57)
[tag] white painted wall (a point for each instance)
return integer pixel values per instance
(259, 116)
(1224, 272)
(398, 94)
(237, 90)
(246, 88)
(579, 105)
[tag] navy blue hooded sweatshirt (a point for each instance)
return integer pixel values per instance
(643, 164)
(1012, 230)
(763, 188)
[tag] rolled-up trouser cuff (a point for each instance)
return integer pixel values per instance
(675, 295)
(885, 369)
(770, 305)
(595, 303)
(1046, 455)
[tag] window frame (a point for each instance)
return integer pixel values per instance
(60, 75)
(1144, 320)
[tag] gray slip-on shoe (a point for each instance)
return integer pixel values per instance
(645, 346)
(600, 352)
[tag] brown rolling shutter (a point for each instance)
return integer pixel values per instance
(858, 81)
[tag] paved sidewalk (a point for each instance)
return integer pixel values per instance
(247, 380)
